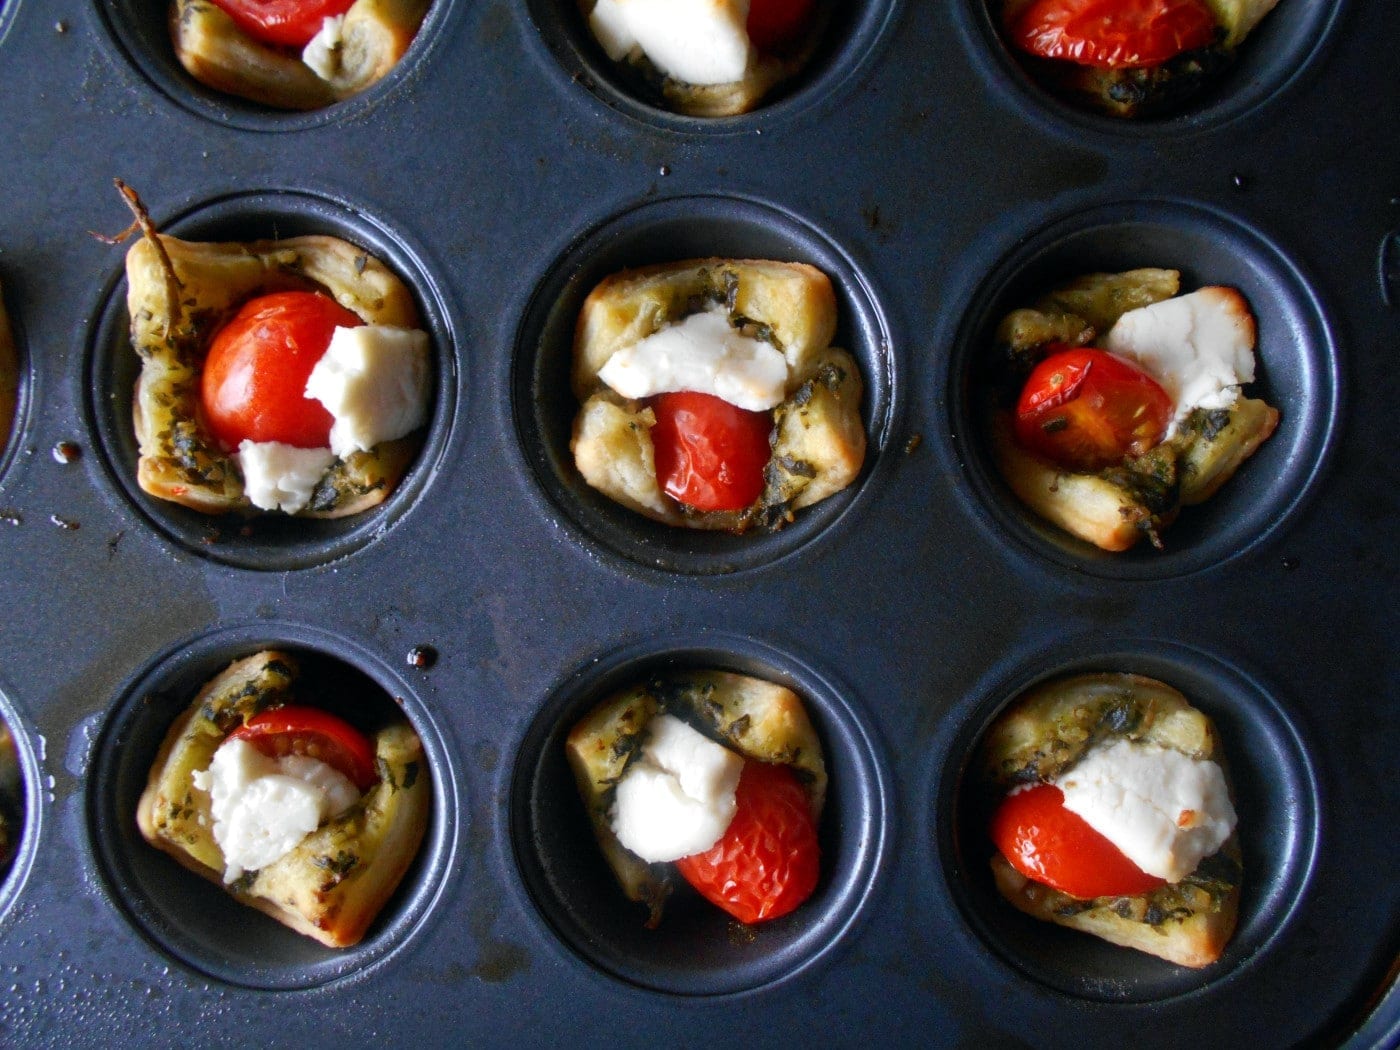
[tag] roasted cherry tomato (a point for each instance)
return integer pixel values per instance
(767, 861)
(1047, 843)
(1086, 409)
(254, 381)
(283, 23)
(1113, 33)
(314, 733)
(710, 455)
(775, 23)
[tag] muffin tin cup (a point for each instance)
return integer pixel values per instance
(1276, 792)
(849, 44)
(1271, 65)
(670, 230)
(500, 171)
(1297, 370)
(138, 31)
(7, 17)
(697, 950)
(188, 918)
(269, 541)
(20, 796)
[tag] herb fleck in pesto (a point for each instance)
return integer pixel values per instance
(339, 866)
(625, 743)
(1213, 423)
(1123, 717)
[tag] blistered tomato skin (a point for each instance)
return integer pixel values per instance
(774, 24)
(1113, 34)
(283, 23)
(768, 861)
(313, 733)
(1048, 844)
(709, 454)
(254, 377)
(1085, 409)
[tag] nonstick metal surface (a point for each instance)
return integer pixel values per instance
(502, 170)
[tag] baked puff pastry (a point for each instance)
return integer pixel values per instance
(701, 58)
(1098, 63)
(9, 377)
(334, 881)
(817, 443)
(11, 796)
(180, 293)
(755, 719)
(1054, 735)
(214, 50)
(1137, 312)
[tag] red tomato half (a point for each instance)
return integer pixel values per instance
(767, 862)
(282, 23)
(1113, 33)
(1086, 409)
(254, 381)
(1049, 844)
(773, 23)
(314, 733)
(710, 455)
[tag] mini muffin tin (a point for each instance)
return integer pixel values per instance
(501, 170)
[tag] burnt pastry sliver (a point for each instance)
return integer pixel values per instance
(709, 58)
(1113, 402)
(333, 418)
(289, 808)
(1113, 816)
(1128, 58)
(710, 775)
(710, 395)
(328, 52)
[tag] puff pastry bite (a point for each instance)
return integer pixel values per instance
(246, 772)
(1114, 401)
(1114, 815)
(371, 376)
(356, 45)
(709, 58)
(11, 798)
(776, 426)
(1139, 59)
(9, 376)
(690, 772)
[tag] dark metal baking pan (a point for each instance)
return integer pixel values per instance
(502, 171)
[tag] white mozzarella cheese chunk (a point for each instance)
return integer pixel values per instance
(281, 477)
(263, 807)
(373, 380)
(1165, 810)
(612, 28)
(322, 52)
(694, 41)
(677, 797)
(1199, 347)
(705, 353)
